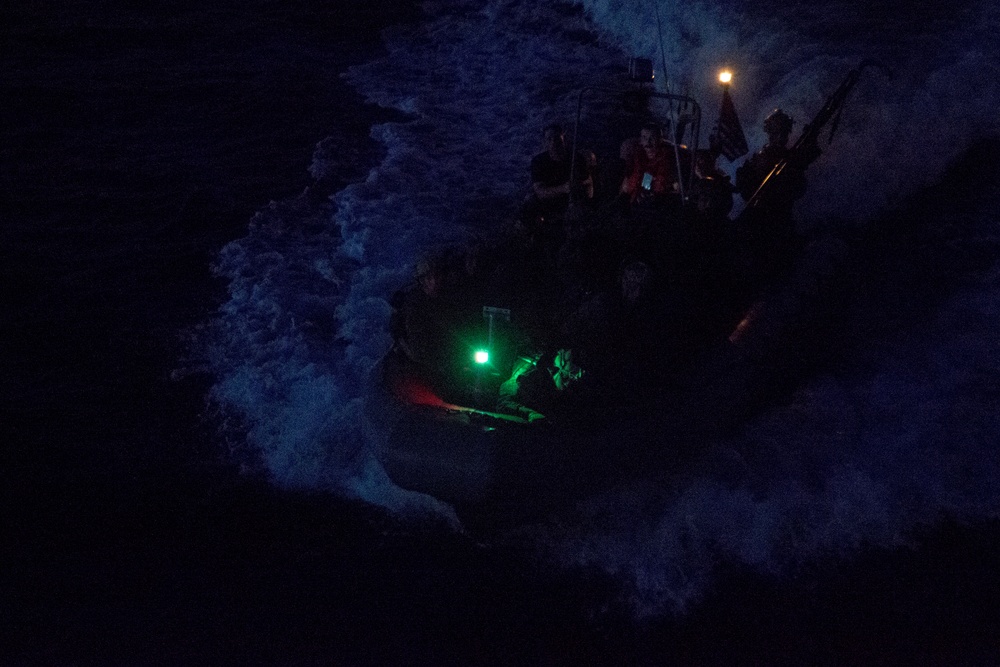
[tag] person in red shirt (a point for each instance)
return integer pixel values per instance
(651, 168)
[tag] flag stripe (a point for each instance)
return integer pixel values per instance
(727, 137)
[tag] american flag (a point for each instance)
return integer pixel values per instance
(727, 138)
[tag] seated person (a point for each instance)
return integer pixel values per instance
(535, 385)
(423, 323)
(551, 189)
(651, 168)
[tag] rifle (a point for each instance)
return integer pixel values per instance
(805, 149)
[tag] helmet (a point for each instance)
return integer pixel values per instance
(778, 121)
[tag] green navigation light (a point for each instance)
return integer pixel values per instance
(482, 356)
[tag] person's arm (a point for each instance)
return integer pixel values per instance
(746, 182)
(549, 192)
(540, 174)
(631, 181)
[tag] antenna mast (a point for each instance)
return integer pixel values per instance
(673, 113)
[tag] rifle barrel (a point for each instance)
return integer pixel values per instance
(810, 133)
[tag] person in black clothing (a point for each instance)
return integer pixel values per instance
(552, 185)
(551, 208)
(426, 326)
(750, 176)
(771, 238)
(550, 174)
(417, 323)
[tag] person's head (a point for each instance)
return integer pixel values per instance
(565, 372)
(649, 138)
(428, 276)
(778, 126)
(555, 140)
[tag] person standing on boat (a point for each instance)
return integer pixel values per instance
(770, 227)
(792, 185)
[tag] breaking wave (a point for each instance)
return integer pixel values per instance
(900, 437)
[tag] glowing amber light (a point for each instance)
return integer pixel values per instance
(725, 76)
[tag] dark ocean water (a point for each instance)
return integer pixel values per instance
(137, 142)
